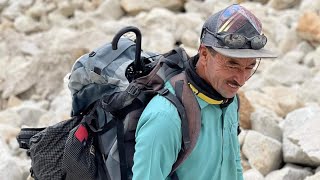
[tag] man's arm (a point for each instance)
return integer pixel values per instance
(158, 141)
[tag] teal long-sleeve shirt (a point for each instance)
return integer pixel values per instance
(216, 155)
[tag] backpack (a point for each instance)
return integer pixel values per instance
(110, 87)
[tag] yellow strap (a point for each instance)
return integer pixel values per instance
(204, 97)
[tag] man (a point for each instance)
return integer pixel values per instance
(231, 40)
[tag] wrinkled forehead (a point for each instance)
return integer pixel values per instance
(237, 19)
(236, 61)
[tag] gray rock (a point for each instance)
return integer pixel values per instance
(289, 172)
(252, 174)
(309, 5)
(308, 90)
(265, 122)
(313, 177)
(300, 143)
(293, 57)
(133, 7)
(286, 74)
(29, 48)
(109, 9)
(311, 59)
(257, 147)
(283, 4)
(27, 25)
(12, 11)
(287, 97)
(3, 4)
(9, 167)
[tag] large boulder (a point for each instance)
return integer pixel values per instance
(257, 147)
(301, 144)
(289, 172)
(266, 122)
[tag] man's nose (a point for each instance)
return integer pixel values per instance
(242, 77)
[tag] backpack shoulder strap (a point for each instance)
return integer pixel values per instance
(192, 121)
(238, 101)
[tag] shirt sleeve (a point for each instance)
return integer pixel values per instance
(158, 141)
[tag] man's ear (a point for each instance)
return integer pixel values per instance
(203, 54)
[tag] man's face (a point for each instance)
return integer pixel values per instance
(226, 75)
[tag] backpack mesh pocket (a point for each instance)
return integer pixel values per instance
(46, 150)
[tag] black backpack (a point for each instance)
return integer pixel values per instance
(110, 88)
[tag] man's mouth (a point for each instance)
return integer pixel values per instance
(234, 84)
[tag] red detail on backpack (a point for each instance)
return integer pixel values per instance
(81, 133)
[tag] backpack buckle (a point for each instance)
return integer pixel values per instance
(133, 90)
(163, 91)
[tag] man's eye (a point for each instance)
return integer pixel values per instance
(233, 67)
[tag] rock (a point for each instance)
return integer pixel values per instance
(309, 27)
(252, 174)
(3, 4)
(289, 172)
(309, 5)
(305, 137)
(244, 163)
(293, 56)
(314, 177)
(283, 4)
(308, 90)
(10, 117)
(66, 9)
(14, 85)
(287, 97)
(156, 18)
(14, 101)
(246, 109)
(109, 9)
(7, 161)
(8, 132)
(133, 7)
(257, 147)
(27, 113)
(289, 41)
(159, 41)
(265, 122)
(259, 99)
(300, 142)
(29, 48)
(242, 136)
(191, 37)
(305, 47)
(281, 73)
(27, 25)
(311, 59)
(12, 11)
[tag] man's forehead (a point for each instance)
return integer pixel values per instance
(238, 60)
(243, 60)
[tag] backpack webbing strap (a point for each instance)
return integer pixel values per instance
(185, 126)
(121, 149)
(182, 113)
(238, 100)
(24, 136)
